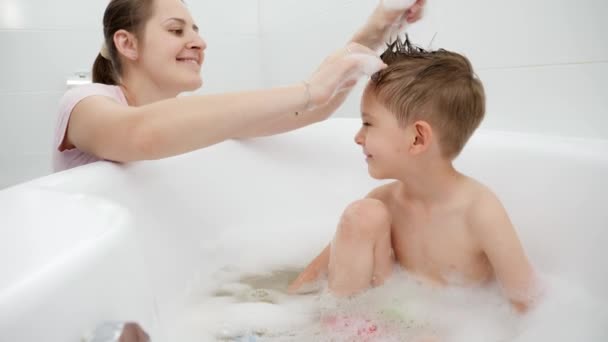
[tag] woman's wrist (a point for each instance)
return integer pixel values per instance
(308, 95)
(307, 102)
(372, 33)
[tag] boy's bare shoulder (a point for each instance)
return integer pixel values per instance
(384, 192)
(485, 206)
(482, 195)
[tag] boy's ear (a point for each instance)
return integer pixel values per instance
(126, 44)
(422, 137)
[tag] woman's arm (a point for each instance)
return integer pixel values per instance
(286, 123)
(111, 131)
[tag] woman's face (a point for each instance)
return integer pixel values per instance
(172, 52)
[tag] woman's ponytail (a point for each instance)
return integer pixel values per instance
(103, 71)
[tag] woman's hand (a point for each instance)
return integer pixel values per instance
(414, 13)
(408, 10)
(340, 71)
(387, 20)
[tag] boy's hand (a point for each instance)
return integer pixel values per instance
(311, 273)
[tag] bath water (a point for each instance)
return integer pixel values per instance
(256, 307)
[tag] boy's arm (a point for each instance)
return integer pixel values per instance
(311, 273)
(501, 245)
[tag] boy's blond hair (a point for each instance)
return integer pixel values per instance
(439, 87)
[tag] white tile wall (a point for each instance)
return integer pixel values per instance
(41, 60)
(27, 122)
(42, 15)
(558, 100)
(521, 32)
(236, 17)
(232, 63)
(544, 63)
(23, 166)
(42, 44)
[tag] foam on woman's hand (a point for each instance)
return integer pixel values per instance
(367, 65)
(400, 23)
(397, 5)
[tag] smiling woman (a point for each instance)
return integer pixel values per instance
(152, 52)
(128, 24)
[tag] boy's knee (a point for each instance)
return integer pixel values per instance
(366, 216)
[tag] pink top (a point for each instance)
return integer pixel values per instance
(63, 158)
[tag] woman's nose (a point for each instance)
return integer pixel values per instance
(197, 43)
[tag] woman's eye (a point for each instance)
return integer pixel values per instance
(367, 124)
(178, 32)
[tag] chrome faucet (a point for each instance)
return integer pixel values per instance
(118, 332)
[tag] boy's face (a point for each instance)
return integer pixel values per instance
(385, 143)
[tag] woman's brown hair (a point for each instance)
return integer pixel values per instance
(129, 15)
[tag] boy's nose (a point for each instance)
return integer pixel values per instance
(359, 137)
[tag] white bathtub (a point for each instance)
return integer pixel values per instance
(108, 242)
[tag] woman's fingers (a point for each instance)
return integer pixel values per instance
(353, 48)
(397, 5)
(350, 49)
(341, 71)
(353, 67)
(414, 13)
(365, 64)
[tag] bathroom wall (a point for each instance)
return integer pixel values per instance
(542, 62)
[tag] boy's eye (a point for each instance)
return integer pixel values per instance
(367, 124)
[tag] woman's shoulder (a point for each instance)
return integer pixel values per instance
(76, 94)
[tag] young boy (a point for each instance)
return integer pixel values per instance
(437, 223)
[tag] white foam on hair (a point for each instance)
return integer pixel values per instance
(366, 64)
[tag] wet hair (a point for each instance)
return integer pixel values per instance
(129, 15)
(439, 87)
